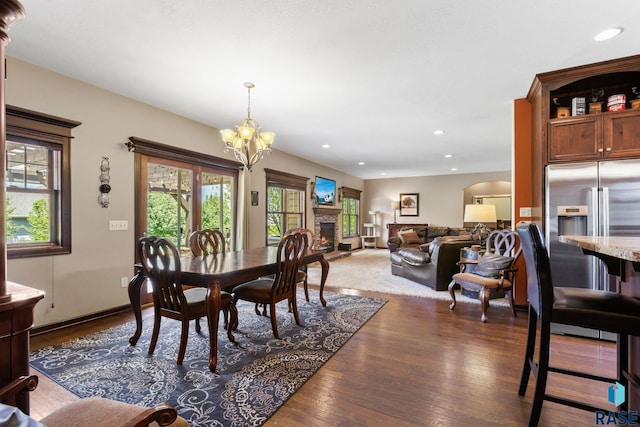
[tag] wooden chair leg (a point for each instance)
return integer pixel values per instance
(306, 287)
(198, 328)
(156, 331)
(484, 301)
(452, 293)
(274, 321)
(184, 334)
(294, 304)
(511, 304)
(232, 324)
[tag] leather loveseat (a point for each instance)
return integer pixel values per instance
(431, 263)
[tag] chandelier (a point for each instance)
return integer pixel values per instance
(247, 143)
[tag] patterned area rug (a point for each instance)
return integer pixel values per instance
(253, 378)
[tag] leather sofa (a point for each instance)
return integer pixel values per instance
(433, 258)
(432, 267)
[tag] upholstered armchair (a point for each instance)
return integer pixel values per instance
(94, 412)
(493, 272)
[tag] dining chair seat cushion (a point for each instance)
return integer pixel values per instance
(300, 277)
(255, 290)
(198, 295)
(98, 412)
(473, 281)
(603, 310)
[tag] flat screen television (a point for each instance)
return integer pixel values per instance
(325, 190)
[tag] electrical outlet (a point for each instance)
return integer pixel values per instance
(118, 225)
(124, 282)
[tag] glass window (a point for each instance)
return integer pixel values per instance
(350, 216)
(38, 193)
(285, 204)
(284, 211)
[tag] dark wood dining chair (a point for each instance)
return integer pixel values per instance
(211, 242)
(302, 273)
(161, 262)
(494, 272)
(282, 286)
(586, 308)
(207, 242)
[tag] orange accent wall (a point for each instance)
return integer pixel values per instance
(522, 182)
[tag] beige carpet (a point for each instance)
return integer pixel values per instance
(370, 270)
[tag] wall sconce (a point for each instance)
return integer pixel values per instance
(104, 198)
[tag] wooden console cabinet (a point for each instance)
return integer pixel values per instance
(16, 321)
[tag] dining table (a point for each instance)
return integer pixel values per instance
(220, 272)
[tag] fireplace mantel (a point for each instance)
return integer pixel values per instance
(326, 211)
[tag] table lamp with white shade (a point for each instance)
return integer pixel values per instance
(480, 214)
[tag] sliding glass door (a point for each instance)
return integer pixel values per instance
(170, 202)
(174, 209)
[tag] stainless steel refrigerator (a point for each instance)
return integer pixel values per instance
(595, 198)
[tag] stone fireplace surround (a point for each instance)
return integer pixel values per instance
(327, 215)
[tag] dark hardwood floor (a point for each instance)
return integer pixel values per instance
(415, 363)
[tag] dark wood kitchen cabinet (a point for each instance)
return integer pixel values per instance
(610, 135)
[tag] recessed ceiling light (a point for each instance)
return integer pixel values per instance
(448, 155)
(361, 163)
(326, 146)
(608, 34)
(454, 169)
(383, 173)
(438, 132)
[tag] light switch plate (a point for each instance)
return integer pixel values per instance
(118, 225)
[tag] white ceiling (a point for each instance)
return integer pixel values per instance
(372, 78)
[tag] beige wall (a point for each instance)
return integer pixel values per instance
(88, 280)
(441, 198)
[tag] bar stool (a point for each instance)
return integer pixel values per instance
(588, 308)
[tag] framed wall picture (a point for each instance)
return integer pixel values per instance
(409, 204)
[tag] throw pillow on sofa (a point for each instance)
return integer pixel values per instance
(409, 237)
(490, 265)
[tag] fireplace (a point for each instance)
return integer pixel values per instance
(326, 227)
(327, 232)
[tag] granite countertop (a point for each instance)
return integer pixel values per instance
(623, 247)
